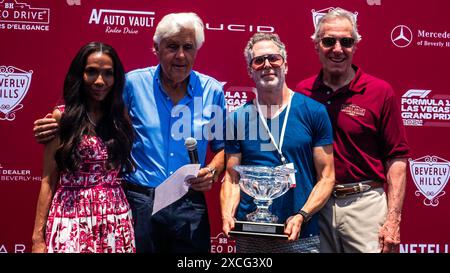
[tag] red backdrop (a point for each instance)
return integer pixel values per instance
(405, 43)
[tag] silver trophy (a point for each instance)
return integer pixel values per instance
(263, 184)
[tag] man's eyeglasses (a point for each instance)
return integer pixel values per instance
(275, 60)
(346, 42)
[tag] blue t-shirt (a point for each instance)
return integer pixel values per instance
(162, 127)
(308, 126)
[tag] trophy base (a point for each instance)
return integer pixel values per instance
(258, 229)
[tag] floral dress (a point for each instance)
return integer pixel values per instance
(89, 211)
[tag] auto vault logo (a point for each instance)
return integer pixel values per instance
(122, 21)
(430, 174)
(21, 16)
(14, 85)
(401, 36)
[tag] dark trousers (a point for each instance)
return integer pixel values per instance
(182, 227)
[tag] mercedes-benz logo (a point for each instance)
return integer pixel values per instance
(401, 36)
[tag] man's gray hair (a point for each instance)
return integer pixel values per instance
(260, 36)
(337, 13)
(173, 23)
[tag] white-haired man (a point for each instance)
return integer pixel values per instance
(370, 146)
(162, 100)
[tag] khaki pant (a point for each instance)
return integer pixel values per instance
(351, 224)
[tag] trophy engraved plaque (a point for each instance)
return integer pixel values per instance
(263, 184)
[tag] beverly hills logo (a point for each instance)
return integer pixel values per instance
(430, 174)
(14, 85)
(317, 15)
(122, 21)
(21, 16)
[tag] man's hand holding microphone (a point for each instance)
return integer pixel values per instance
(206, 176)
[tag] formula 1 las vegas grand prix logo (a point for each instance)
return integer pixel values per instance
(14, 85)
(419, 108)
(430, 174)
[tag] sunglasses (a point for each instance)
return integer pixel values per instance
(346, 42)
(275, 60)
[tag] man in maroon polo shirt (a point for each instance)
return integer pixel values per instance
(370, 146)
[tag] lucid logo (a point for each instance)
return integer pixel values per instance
(239, 27)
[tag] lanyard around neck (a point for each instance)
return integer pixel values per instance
(283, 129)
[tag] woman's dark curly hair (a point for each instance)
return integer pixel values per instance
(114, 128)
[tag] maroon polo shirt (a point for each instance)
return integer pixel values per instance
(368, 129)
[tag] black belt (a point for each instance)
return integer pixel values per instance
(342, 190)
(137, 188)
(128, 186)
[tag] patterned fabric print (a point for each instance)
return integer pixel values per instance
(89, 212)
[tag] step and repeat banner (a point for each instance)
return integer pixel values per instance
(406, 43)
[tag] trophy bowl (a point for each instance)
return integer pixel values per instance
(264, 184)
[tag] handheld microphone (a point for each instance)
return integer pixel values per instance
(191, 147)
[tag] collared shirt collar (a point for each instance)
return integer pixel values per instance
(190, 87)
(355, 85)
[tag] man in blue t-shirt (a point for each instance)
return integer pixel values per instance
(278, 127)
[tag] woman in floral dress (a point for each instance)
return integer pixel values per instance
(82, 206)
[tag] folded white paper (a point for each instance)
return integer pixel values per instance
(174, 187)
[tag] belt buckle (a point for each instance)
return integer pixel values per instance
(337, 195)
(356, 189)
(361, 188)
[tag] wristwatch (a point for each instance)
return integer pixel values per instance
(212, 171)
(306, 216)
